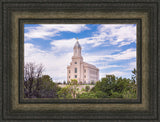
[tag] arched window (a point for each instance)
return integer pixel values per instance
(75, 70)
(75, 62)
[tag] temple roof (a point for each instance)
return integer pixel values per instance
(77, 44)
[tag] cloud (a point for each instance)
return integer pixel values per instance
(131, 65)
(55, 66)
(68, 44)
(124, 55)
(106, 66)
(63, 45)
(106, 62)
(106, 35)
(122, 74)
(45, 31)
(111, 34)
(117, 73)
(114, 34)
(118, 34)
(125, 70)
(56, 59)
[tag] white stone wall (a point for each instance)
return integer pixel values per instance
(80, 86)
(85, 73)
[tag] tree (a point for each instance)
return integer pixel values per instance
(64, 82)
(73, 87)
(32, 74)
(68, 82)
(64, 92)
(134, 75)
(100, 94)
(87, 88)
(48, 88)
(37, 85)
(105, 85)
(70, 91)
(92, 82)
(87, 95)
(80, 83)
(114, 87)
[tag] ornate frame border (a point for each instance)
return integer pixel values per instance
(14, 13)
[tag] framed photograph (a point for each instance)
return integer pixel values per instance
(63, 58)
(79, 60)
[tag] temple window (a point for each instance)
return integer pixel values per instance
(75, 70)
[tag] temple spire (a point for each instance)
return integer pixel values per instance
(77, 45)
(77, 49)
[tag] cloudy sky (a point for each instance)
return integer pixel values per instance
(110, 47)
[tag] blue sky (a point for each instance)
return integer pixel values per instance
(110, 47)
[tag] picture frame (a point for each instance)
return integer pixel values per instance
(22, 22)
(13, 16)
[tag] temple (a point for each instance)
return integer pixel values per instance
(85, 73)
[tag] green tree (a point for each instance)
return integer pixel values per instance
(48, 88)
(64, 82)
(73, 87)
(130, 91)
(116, 95)
(87, 95)
(68, 82)
(87, 88)
(82, 89)
(97, 87)
(37, 85)
(70, 91)
(105, 85)
(122, 84)
(133, 77)
(64, 92)
(92, 82)
(101, 94)
(114, 87)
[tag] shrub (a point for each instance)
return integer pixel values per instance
(87, 95)
(116, 95)
(100, 94)
(87, 88)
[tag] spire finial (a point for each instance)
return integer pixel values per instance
(77, 38)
